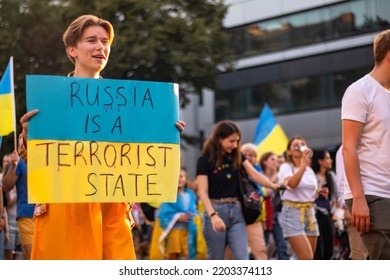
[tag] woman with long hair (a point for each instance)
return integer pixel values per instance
(325, 203)
(218, 178)
(269, 164)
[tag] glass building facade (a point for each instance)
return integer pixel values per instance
(305, 83)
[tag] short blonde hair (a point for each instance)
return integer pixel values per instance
(75, 30)
(381, 46)
(248, 147)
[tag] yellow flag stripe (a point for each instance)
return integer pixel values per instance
(275, 142)
(89, 171)
(6, 113)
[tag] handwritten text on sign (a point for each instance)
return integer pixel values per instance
(100, 140)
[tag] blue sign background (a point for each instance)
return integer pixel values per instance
(110, 110)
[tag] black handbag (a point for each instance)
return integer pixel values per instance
(251, 201)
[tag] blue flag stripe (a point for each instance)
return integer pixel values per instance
(266, 124)
(5, 84)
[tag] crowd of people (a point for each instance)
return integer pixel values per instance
(310, 216)
(303, 211)
(289, 226)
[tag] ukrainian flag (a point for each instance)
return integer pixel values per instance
(6, 101)
(269, 136)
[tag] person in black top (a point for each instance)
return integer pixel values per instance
(325, 203)
(218, 188)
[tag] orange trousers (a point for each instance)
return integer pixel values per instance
(83, 231)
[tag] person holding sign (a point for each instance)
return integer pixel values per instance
(218, 187)
(84, 230)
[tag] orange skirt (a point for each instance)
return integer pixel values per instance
(83, 231)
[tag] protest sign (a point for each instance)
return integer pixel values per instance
(102, 140)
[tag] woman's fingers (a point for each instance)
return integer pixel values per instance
(26, 117)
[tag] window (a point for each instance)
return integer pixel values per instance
(344, 19)
(301, 94)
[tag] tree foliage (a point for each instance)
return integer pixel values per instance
(181, 41)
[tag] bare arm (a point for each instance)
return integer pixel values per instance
(258, 177)
(11, 197)
(203, 191)
(2, 211)
(293, 181)
(10, 177)
(24, 121)
(202, 182)
(351, 133)
(6, 227)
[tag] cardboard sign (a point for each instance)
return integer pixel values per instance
(102, 140)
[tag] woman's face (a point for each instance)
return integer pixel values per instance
(182, 179)
(326, 162)
(6, 161)
(91, 52)
(230, 143)
(272, 162)
(295, 146)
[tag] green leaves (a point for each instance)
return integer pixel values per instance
(181, 41)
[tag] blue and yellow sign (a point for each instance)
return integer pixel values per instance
(102, 140)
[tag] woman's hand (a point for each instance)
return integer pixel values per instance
(306, 157)
(281, 187)
(217, 223)
(185, 217)
(26, 117)
(14, 158)
(24, 121)
(180, 126)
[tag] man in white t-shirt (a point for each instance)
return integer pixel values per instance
(366, 151)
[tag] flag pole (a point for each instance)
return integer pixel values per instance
(13, 101)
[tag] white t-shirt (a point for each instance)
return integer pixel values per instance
(307, 187)
(368, 102)
(344, 191)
